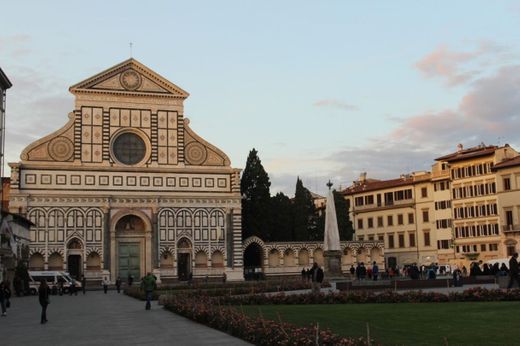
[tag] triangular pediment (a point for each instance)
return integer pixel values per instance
(132, 77)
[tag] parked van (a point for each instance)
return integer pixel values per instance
(53, 278)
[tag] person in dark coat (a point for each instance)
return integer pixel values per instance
(43, 297)
(3, 298)
(513, 270)
(316, 277)
(118, 284)
(84, 284)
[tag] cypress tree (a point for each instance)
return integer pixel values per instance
(282, 218)
(304, 214)
(256, 198)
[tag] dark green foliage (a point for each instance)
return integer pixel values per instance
(256, 198)
(305, 226)
(282, 218)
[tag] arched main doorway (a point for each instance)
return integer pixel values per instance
(183, 259)
(253, 258)
(130, 232)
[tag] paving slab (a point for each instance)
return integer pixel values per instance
(102, 319)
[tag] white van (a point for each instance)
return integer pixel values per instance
(53, 278)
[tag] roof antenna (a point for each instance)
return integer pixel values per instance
(131, 44)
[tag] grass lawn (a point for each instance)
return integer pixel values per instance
(493, 323)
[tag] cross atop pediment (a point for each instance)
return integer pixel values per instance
(129, 77)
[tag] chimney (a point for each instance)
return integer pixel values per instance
(460, 147)
(363, 177)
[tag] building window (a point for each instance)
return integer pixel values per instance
(379, 221)
(510, 250)
(360, 223)
(411, 238)
(360, 238)
(370, 222)
(129, 148)
(371, 237)
(358, 201)
(507, 184)
(493, 247)
(410, 218)
(401, 240)
(426, 238)
(400, 219)
(483, 247)
(509, 218)
(390, 220)
(424, 192)
(381, 237)
(390, 241)
(425, 216)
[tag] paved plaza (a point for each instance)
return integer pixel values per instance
(99, 319)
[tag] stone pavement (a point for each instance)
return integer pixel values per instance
(99, 319)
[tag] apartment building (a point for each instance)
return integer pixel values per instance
(474, 201)
(399, 212)
(508, 199)
(443, 225)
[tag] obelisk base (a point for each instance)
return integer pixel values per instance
(332, 264)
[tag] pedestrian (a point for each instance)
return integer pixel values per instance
(316, 278)
(352, 271)
(118, 284)
(105, 284)
(190, 278)
(72, 288)
(61, 281)
(224, 278)
(375, 271)
(148, 284)
(43, 297)
(130, 280)
(304, 274)
(84, 284)
(513, 270)
(3, 298)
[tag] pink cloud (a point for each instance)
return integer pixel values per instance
(334, 103)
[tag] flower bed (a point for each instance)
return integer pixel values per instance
(470, 295)
(226, 289)
(206, 310)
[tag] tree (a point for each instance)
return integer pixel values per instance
(304, 214)
(282, 218)
(256, 198)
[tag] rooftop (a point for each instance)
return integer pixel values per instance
(508, 163)
(470, 153)
(372, 185)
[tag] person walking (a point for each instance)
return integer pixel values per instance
(375, 271)
(316, 278)
(118, 284)
(513, 270)
(43, 297)
(105, 284)
(84, 284)
(72, 287)
(3, 298)
(148, 284)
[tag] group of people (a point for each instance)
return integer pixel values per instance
(314, 275)
(361, 272)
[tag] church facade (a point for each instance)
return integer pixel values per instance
(126, 187)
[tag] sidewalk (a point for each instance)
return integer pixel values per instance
(102, 319)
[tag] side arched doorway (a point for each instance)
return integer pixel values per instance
(253, 259)
(74, 260)
(184, 251)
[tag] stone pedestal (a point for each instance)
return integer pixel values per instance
(332, 264)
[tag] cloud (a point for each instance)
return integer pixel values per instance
(488, 112)
(458, 67)
(335, 104)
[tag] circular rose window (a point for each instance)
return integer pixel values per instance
(129, 148)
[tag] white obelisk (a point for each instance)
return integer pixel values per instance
(331, 246)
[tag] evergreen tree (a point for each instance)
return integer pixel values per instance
(256, 198)
(304, 214)
(282, 218)
(346, 230)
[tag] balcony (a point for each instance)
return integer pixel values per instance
(510, 228)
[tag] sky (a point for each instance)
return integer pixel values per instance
(322, 89)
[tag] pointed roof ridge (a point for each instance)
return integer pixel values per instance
(124, 65)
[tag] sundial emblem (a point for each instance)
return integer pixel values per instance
(130, 80)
